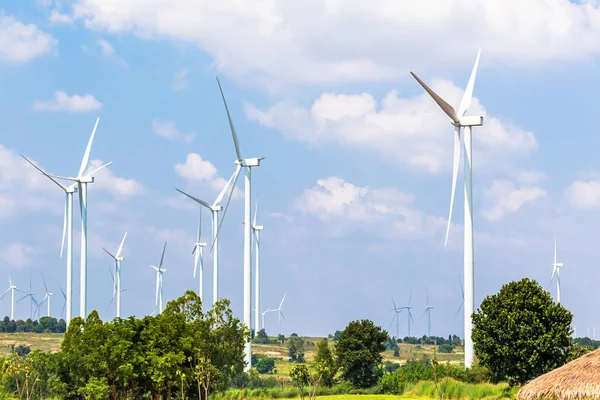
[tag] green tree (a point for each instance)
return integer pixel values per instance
(521, 333)
(296, 349)
(265, 365)
(358, 352)
(324, 357)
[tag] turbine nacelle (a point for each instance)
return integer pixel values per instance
(249, 162)
(257, 227)
(468, 121)
(216, 208)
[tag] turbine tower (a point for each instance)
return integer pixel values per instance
(427, 311)
(262, 314)
(214, 210)
(198, 253)
(82, 181)
(117, 274)
(256, 230)
(556, 273)
(47, 295)
(408, 308)
(247, 163)
(34, 302)
(397, 312)
(159, 280)
(460, 121)
(68, 230)
(12, 288)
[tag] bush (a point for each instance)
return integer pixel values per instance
(445, 348)
(265, 365)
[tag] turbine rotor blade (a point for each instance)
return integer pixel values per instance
(162, 257)
(224, 190)
(64, 232)
(44, 173)
(86, 155)
(235, 138)
(447, 108)
(197, 200)
(196, 258)
(456, 162)
(121, 245)
(108, 252)
(465, 103)
(99, 168)
(236, 175)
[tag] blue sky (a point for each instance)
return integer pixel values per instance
(355, 186)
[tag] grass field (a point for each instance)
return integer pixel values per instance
(41, 341)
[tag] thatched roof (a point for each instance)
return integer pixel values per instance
(579, 379)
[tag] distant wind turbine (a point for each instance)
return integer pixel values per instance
(556, 273)
(459, 121)
(117, 274)
(408, 308)
(427, 311)
(47, 295)
(159, 281)
(279, 310)
(262, 314)
(198, 253)
(397, 312)
(12, 288)
(256, 230)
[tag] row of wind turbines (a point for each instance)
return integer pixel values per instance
(79, 184)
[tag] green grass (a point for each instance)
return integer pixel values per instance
(41, 341)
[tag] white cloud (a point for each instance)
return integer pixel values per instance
(412, 131)
(119, 187)
(21, 42)
(60, 18)
(506, 198)
(196, 170)
(18, 254)
(349, 207)
(63, 102)
(180, 79)
(584, 194)
(320, 41)
(109, 52)
(167, 129)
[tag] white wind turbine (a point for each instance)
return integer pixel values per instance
(397, 312)
(279, 310)
(214, 210)
(256, 230)
(427, 311)
(117, 274)
(460, 121)
(556, 273)
(262, 315)
(159, 281)
(12, 288)
(47, 295)
(408, 308)
(198, 253)
(68, 231)
(247, 163)
(82, 180)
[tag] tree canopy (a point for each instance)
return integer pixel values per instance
(520, 332)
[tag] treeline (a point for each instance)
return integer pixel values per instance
(587, 342)
(44, 325)
(183, 352)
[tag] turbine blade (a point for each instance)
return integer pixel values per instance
(224, 190)
(454, 178)
(99, 168)
(394, 303)
(392, 321)
(199, 227)
(236, 175)
(64, 232)
(553, 273)
(197, 200)
(459, 308)
(465, 103)
(281, 313)
(121, 245)
(44, 173)
(86, 155)
(108, 252)
(281, 304)
(111, 301)
(162, 257)
(235, 138)
(4, 294)
(447, 108)
(45, 287)
(255, 212)
(157, 283)
(196, 258)
(62, 291)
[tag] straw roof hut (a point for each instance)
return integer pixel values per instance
(579, 379)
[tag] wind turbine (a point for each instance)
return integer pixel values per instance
(30, 294)
(159, 280)
(427, 311)
(47, 295)
(262, 314)
(214, 210)
(68, 230)
(556, 272)
(247, 163)
(460, 121)
(117, 274)
(82, 181)
(12, 288)
(407, 308)
(256, 230)
(198, 253)
(278, 309)
(396, 311)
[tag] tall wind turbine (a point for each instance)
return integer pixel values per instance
(247, 163)
(256, 230)
(214, 212)
(12, 288)
(47, 295)
(83, 180)
(159, 280)
(427, 311)
(397, 312)
(556, 273)
(279, 310)
(68, 230)
(117, 274)
(408, 308)
(198, 253)
(460, 121)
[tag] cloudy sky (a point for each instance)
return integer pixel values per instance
(355, 185)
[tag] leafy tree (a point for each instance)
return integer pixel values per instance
(296, 349)
(358, 352)
(325, 358)
(520, 333)
(265, 365)
(302, 377)
(261, 334)
(336, 336)
(445, 348)
(22, 350)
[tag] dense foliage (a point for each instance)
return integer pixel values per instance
(44, 325)
(520, 332)
(358, 352)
